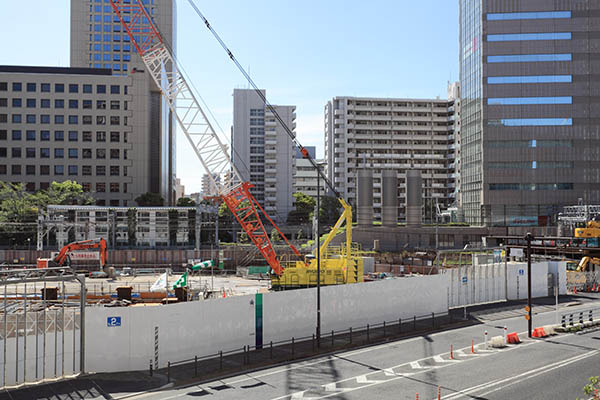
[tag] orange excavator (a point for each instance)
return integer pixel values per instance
(63, 258)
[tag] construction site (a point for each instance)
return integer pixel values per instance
(157, 284)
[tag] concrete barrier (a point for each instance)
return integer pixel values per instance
(497, 342)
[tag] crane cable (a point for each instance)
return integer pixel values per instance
(263, 98)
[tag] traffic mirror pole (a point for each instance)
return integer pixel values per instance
(529, 238)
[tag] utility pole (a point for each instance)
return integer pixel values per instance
(318, 244)
(529, 238)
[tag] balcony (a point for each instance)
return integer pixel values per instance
(339, 112)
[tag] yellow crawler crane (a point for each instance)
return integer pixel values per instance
(339, 264)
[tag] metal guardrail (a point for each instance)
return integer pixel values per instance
(300, 347)
(569, 319)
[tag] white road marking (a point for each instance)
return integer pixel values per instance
(515, 379)
(364, 379)
(461, 353)
(439, 359)
(412, 364)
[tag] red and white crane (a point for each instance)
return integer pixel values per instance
(208, 146)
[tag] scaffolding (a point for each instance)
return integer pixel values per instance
(145, 227)
(574, 216)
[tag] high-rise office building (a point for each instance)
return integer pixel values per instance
(99, 41)
(305, 179)
(263, 152)
(391, 134)
(455, 107)
(530, 142)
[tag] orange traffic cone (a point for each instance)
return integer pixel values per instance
(575, 290)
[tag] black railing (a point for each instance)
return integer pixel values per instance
(253, 356)
(570, 319)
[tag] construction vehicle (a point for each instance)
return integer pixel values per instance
(588, 261)
(211, 150)
(590, 233)
(63, 258)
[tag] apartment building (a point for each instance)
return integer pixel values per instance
(70, 124)
(397, 134)
(455, 107)
(305, 179)
(98, 41)
(530, 140)
(263, 152)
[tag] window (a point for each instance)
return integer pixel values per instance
(16, 170)
(100, 170)
(114, 154)
(101, 89)
(115, 104)
(87, 104)
(16, 152)
(531, 122)
(73, 104)
(45, 87)
(100, 120)
(114, 136)
(59, 136)
(257, 121)
(44, 170)
(494, 80)
(3, 152)
(529, 58)
(72, 169)
(86, 136)
(30, 118)
(531, 186)
(73, 153)
(86, 186)
(59, 103)
(59, 88)
(30, 135)
(44, 135)
(101, 153)
(101, 104)
(86, 170)
(17, 119)
(529, 15)
(3, 86)
(114, 187)
(17, 103)
(257, 112)
(3, 117)
(30, 152)
(59, 153)
(529, 36)
(4, 102)
(530, 100)
(115, 89)
(3, 134)
(44, 152)
(16, 135)
(100, 187)
(2, 169)
(73, 88)
(45, 103)
(100, 136)
(86, 153)
(31, 87)
(87, 88)
(17, 86)
(59, 170)
(44, 119)
(30, 103)
(86, 120)
(114, 170)
(73, 120)
(115, 120)
(30, 169)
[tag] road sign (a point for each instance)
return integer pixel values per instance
(521, 272)
(527, 317)
(527, 308)
(113, 321)
(464, 279)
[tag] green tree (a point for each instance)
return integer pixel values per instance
(305, 206)
(185, 202)
(18, 213)
(275, 236)
(63, 193)
(330, 210)
(149, 199)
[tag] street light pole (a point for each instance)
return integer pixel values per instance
(317, 241)
(529, 238)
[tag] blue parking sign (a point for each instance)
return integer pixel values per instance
(113, 321)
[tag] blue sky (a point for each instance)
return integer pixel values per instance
(302, 52)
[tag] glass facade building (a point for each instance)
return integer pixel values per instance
(530, 136)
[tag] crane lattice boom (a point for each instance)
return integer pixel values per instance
(211, 151)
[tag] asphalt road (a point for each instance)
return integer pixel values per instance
(553, 368)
